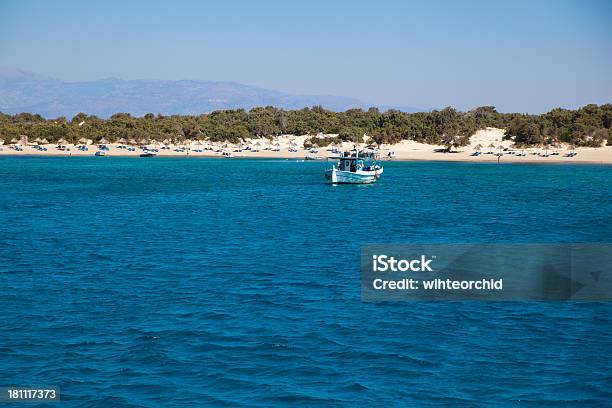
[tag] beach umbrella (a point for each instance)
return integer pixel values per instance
(13, 140)
(277, 144)
(478, 147)
(44, 141)
(83, 140)
(102, 141)
(1, 142)
(62, 141)
(122, 140)
(542, 146)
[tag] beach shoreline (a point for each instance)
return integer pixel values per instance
(604, 158)
(486, 146)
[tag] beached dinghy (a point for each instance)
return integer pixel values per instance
(358, 167)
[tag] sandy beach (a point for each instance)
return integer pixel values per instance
(488, 143)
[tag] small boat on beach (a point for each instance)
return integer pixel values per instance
(100, 153)
(148, 154)
(357, 167)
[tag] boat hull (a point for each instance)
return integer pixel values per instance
(345, 177)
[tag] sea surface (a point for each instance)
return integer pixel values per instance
(178, 282)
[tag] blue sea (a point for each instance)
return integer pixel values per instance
(179, 282)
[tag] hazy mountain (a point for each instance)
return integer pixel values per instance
(22, 91)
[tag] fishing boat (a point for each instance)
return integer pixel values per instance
(357, 167)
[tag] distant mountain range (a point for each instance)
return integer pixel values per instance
(22, 91)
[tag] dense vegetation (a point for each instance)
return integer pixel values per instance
(588, 126)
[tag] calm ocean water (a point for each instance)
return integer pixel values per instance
(190, 282)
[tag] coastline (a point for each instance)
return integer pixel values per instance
(487, 160)
(601, 155)
(487, 142)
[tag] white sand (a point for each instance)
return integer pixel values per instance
(406, 150)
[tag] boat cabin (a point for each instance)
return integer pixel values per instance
(351, 164)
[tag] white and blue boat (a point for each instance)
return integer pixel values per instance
(357, 167)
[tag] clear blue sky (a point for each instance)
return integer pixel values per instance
(525, 56)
